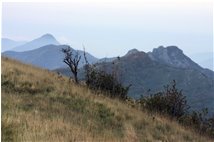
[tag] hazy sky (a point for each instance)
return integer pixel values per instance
(111, 28)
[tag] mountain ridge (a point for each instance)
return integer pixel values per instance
(47, 57)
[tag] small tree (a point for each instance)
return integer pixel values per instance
(176, 101)
(72, 61)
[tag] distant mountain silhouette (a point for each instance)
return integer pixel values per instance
(48, 57)
(8, 44)
(36, 43)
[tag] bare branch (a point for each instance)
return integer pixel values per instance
(72, 61)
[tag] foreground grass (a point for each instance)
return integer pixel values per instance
(38, 105)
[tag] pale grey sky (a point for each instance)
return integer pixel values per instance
(111, 28)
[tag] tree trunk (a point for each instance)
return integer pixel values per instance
(75, 77)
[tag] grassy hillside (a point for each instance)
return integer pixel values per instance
(38, 105)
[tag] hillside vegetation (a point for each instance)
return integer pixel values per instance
(39, 105)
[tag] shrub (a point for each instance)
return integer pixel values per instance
(100, 80)
(199, 121)
(171, 102)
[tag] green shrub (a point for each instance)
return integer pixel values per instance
(171, 102)
(199, 121)
(100, 80)
(7, 84)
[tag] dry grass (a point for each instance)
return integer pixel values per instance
(38, 105)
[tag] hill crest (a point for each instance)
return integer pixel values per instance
(43, 106)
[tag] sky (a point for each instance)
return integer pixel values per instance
(111, 28)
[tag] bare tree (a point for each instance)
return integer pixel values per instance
(72, 60)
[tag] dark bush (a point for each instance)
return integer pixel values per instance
(199, 121)
(210, 128)
(100, 80)
(170, 101)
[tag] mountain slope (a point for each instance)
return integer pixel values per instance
(38, 105)
(36, 43)
(48, 57)
(8, 44)
(151, 71)
(145, 73)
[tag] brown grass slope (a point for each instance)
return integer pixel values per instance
(39, 105)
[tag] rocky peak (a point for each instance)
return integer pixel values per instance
(172, 56)
(48, 36)
(132, 51)
(161, 50)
